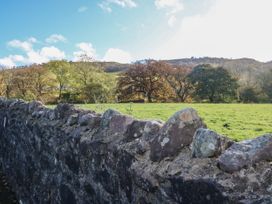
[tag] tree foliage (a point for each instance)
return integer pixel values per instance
(177, 78)
(143, 81)
(214, 84)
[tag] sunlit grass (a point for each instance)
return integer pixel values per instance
(237, 121)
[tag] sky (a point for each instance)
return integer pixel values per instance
(37, 31)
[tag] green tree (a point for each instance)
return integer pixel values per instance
(248, 95)
(93, 84)
(63, 72)
(266, 83)
(214, 84)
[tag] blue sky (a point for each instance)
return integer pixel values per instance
(36, 31)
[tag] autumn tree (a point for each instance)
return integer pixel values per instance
(43, 82)
(177, 77)
(22, 83)
(213, 83)
(6, 82)
(143, 80)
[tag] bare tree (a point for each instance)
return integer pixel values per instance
(177, 79)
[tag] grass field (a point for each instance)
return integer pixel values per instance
(237, 121)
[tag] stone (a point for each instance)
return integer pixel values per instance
(34, 105)
(107, 115)
(207, 143)
(175, 134)
(64, 110)
(246, 153)
(135, 130)
(52, 161)
(72, 120)
(119, 124)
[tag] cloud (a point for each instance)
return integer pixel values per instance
(172, 6)
(7, 62)
(24, 45)
(230, 28)
(38, 56)
(44, 55)
(82, 9)
(172, 20)
(117, 55)
(106, 4)
(85, 49)
(54, 38)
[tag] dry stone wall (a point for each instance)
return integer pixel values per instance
(71, 156)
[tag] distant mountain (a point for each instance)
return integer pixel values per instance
(232, 65)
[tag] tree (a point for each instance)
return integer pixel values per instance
(62, 70)
(248, 95)
(43, 82)
(266, 83)
(6, 77)
(177, 77)
(214, 84)
(143, 80)
(22, 82)
(92, 82)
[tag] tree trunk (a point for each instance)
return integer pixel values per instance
(149, 98)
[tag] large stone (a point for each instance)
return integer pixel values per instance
(89, 119)
(207, 143)
(106, 117)
(246, 153)
(63, 111)
(176, 133)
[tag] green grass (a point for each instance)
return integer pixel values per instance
(237, 121)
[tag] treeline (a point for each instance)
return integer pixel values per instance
(157, 81)
(148, 81)
(59, 81)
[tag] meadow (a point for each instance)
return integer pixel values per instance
(237, 121)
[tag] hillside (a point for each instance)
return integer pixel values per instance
(237, 66)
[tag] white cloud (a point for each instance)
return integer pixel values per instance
(106, 4)
(43, 55)
(117, 55)
(82, 9)
(231, 28)
(172, 20)
(7, 62)
(55, 38)
(52, 53)
(24, 45)
(85, 49)
(172, 7)
(11, 60)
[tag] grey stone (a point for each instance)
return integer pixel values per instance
(72, 120)
(107, 115)
(207, 143)
(53, 161)
(246, 153)
(135, 130)
(118, 124)
(34, 105)
(175, 134)
(64, 110)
